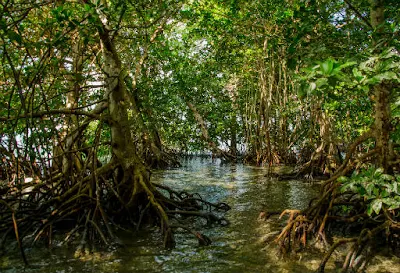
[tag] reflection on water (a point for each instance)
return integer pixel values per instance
(235, 248)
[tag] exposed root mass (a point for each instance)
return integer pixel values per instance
(339, 208)
(91, 209)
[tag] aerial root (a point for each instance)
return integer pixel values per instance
(355, 259)
(296, 228)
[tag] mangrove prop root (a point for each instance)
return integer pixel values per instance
(186, 199)
(338, 243)
(326, 211)
(16, 231)
(90, 209)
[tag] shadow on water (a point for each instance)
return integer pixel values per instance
(239, 247)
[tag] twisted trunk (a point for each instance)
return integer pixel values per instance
(135, 180)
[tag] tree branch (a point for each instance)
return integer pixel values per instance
(41, 114)
(359, 15)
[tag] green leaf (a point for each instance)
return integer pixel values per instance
(387, 177)
(378, 172)
(347, 64)
(14, 36)
(369, 64)
(369, 210)
(389, 75)
(3, 24)
(389, 53)
(392, 65)
(376, 205)
(369, 188)
(87, 7)
(365, 88)
(372, 81)
(321, 82)
(361, 191)
(395, 187)
(312, 87)
(357, 74)
(327, 67)
(342, 179)
(385, 193)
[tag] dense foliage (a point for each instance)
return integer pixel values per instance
(94, 93)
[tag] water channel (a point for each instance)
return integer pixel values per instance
(240, 247)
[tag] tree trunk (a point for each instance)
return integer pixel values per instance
(135, 178)
(382, 94)
(71, 159)
(63, 157)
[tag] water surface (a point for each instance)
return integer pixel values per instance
(239, 247)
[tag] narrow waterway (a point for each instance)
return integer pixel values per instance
(239, 247)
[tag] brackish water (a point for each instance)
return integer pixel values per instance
(240, 247)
